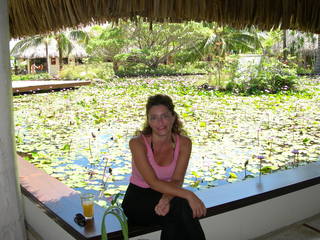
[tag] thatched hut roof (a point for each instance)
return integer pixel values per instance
(78, 52)
(30, 17)
(39, 51)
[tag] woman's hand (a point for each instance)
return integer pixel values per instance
(197, 206)
(163, 206)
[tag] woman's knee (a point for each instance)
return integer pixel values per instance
(180, 206)
(180, 202)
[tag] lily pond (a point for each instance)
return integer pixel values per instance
(81, 136)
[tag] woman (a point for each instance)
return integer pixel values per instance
(160, 157)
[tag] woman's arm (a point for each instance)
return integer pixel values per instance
(163, 207)
(182, 164)
(183, 160)
(139, 156)
(173, 188)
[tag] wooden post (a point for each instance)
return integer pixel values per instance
(317, 63)
(11, 214)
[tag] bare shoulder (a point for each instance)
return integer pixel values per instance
(136, 142)
(135, 139)
(185, 139)
(137, 147)
(185, 142)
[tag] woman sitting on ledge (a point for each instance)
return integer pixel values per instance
(160, 157)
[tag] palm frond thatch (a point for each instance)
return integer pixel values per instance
(41, 16)
(36, 51)
(39, 50)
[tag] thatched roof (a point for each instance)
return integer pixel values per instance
(30, 17)
(78, 52)
(39, 51)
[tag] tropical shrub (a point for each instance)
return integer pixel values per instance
(270, 76)
(143, 70)
(162, 70)
(304, 69)
(100, 70)
(219, 77)
(26, 77)
(107, 42)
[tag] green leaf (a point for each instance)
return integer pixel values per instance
(268, 169)
(203, 124)
(233, 175)
(194, 173)
(66, 147)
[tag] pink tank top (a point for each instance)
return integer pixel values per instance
(163, 173)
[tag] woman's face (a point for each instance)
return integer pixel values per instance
(160, 119)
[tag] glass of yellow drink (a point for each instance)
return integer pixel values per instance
(87, 200)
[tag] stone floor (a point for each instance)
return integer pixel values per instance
(306, 230)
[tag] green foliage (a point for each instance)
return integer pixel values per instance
(304, 70)
(87, 71)
(121, 217)
(160, 44)
(269, 39)
(136, 70)
(218, 77)
(107, 42)
(37, 76)
(226, 40)
(191, 55)
(268, 169)
(270, 76)
(167, 43)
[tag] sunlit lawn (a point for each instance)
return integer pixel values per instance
(77, 135)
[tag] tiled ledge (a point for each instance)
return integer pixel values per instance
(61, 203)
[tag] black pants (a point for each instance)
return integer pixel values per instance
(139, 203)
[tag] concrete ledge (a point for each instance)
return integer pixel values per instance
(252, 208)
(241, 210)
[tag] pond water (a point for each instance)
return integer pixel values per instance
(77, 136)
(201, 173)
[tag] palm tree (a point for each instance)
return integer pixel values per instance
(65, 41)
(229, 40)
(226, 40)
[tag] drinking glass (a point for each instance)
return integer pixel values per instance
(87, 202)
